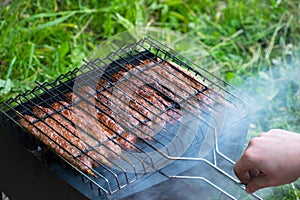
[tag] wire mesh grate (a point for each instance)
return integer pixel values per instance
(137, 111)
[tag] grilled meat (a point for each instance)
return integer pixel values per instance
(192, 80)
(132, 107)
(104, 115)
(136, 98)
(92, 125)
(175, 83)
(65, 145)
(149, 105)
(99, 148)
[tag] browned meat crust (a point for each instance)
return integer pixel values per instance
(102, 112)
(65, 144)
(87, 129)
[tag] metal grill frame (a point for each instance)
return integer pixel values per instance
(133, 53)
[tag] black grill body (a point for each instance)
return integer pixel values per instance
(23, 176)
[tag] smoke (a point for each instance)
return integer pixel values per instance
(275, 103)
(275, 95)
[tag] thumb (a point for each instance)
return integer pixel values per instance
(257, 183)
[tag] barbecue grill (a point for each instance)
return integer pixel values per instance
(195, 152)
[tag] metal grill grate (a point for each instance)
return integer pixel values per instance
(156, 115)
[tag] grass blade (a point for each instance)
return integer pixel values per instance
(55, 22)
(11, 67)
(55, 14)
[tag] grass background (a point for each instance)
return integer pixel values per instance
(248, 39)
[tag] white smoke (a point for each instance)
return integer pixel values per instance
(276, 97)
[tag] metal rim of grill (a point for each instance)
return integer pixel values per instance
(113, 177)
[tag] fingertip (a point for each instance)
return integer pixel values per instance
(242, 174)
(257, 183)
(250, 189)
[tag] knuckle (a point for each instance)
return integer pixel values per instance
(251, 155)
(253, 141)
(248, 155)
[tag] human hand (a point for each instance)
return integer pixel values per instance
(270, 160)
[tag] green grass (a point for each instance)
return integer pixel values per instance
(42, 39)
